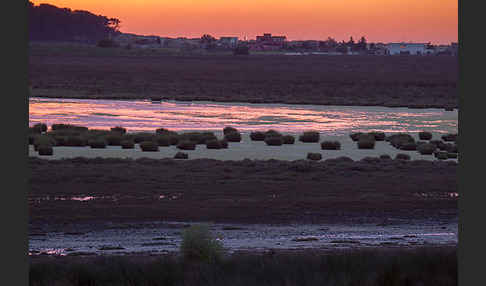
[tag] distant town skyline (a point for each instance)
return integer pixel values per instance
(377, 20)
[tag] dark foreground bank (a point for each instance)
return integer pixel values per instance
(341, 190)
(405, 81)
(422, 266)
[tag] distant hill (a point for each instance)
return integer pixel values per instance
(50, 23)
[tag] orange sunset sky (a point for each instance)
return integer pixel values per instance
(434, 21)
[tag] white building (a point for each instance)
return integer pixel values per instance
(407, 48)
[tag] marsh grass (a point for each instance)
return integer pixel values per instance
(198, 244)
(377, 267)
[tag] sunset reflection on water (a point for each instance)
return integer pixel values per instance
(147, 116)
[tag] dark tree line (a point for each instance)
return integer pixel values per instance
(50, 23)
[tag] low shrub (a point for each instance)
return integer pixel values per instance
(229, 129)
(314, 156)
(149, 146)
(257, 136)
(181, 155)
(409, 146)
(45, 150)
(233, 137)
(309, 137)
(97, 143)
(452, 155)
(197, 137)
(330, 145)
(401, 156)
(199, 245)
(397, 140)
(449, 137)
(355, 136)
(385, 157)
(426, 149)
(164, 131)
(288, 139)
(274, 141)
(223, 143)
(366, 141)
(69, 126)
(119, 129)
(424, 135)
(441, 155)
(163, 140)
(39, 128)
(142, 136)
(114, 139)
(379, 136)
(451, 148)
(272, 133)
(43, 140)
(74, 141)
(186, 145)
(213, 144)
(127, 144)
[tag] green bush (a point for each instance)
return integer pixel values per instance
(213, 144)
(233, 137)
(426, 149)
(181, 155)
(330, 145)
(119, 129)
(97, 143)
(424, 135)
(199, 245)
(366, 141)
(163, 140)
(274, 141)
(257, 136)
(309, 137)
(355, 136)
(127, 144)
(401, 156)
(186, 145)
(314, 156)
(149, 146)
(379, 136)
(228, 130)
(288, 139)
(45, 150)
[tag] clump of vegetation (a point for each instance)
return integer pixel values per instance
(366, 141)
(164, 131)
(409, 146)
(213, 144)
(149, 146)
(223, 143)
(314, 156)
(451, 148)
(257, 136)
(186, 145)
(38, 128)
(379, 136)
(452, 155)
(181, 155)
(397, 140)
(119, 129)
(163, 140)
(401, 156)
(385, 157)
(229, 129)
(233, 136)
(424, 135)
(426, 149)
(197, 137)
(288, 139)
(127, 144)
(309, 137)
(272, 133)
(114, 139)
(69, 126)
(44, 140)
(441, 155)
(74, 141)
(45, 150)
(198, 244)
(355, 136)
(449, 137)
(142, 136)
(274, 141)
(330, 145)
(97, 143)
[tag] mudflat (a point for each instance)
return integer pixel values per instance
(371, 190)
(96, 73)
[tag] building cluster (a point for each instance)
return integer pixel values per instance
(269, 42)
